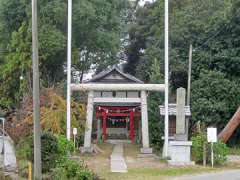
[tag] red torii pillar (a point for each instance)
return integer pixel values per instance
(104, 126)
(132, 126)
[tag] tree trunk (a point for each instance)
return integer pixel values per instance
(234, 122)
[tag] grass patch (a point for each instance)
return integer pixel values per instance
(172, 171)
(154, 173)
(235, 150)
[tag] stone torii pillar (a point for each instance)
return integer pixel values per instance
(88, 130)
(144, 116)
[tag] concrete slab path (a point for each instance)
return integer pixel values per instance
(117, 160)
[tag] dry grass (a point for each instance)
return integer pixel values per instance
(99, 163)
(131, 150)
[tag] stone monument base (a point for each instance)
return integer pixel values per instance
(180, 153)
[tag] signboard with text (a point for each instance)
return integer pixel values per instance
(74, 131)
(212, 134)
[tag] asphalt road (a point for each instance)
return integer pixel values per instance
(222, 175)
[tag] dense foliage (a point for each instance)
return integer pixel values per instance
(55, 149)
(214, 98)
(50, 152)
(96, 42)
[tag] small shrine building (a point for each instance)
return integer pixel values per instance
(119, 118)
(117, 108)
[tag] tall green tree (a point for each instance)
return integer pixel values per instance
(96, 41)
(97, 32)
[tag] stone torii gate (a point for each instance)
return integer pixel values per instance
(143, 88)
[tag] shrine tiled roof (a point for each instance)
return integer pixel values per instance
(103, 74)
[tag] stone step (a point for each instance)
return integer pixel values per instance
(117, 141)
(147, 156)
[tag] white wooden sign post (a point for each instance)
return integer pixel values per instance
(212, 138)
(74, 136)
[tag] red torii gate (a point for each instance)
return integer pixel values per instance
(116, 111)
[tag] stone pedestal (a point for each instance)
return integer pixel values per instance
(180, 153)
(146, 150)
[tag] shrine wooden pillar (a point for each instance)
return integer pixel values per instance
(104, 126)
(132, 126)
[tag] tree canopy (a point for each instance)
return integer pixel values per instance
(213, 28)
(96, 41)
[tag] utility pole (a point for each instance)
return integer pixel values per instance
(69, 56)
(165, 151)
(189, 74)
(36, 99)
(189, 84)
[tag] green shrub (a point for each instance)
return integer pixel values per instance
(50, 151)
(54, 150)
(197, 146)
(58, 173)
(220, 149)
(71, 170)
(64, 145)
(54, 153)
